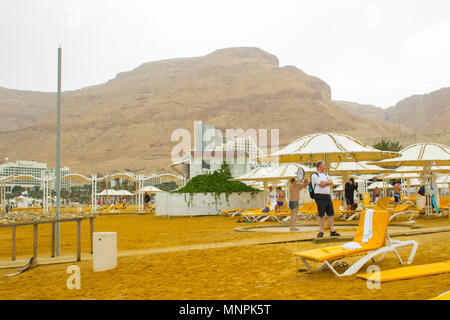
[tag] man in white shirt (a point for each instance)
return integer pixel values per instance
(322, 183)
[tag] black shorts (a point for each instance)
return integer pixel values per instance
(396, 197)
(324, 204)
(350, 200)
(293, 205)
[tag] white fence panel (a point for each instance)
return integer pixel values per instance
(199, 204)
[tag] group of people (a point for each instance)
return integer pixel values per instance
(276, 199)
(321, 184)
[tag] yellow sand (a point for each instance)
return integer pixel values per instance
(242, 272)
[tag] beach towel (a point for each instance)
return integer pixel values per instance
(368, 231)
(272, 206)
(351, 245)
(435, 193)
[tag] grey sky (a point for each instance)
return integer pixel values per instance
(373, 52)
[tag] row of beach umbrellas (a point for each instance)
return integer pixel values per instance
(344, 155)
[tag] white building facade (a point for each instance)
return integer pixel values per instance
(30, 168)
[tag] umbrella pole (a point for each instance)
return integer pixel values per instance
(408, 180)
(428, 204)
(265, 192)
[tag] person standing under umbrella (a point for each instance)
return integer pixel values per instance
(321, 183)
(294, 196)
(397, 193)
(350, 188)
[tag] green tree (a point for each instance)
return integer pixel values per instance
(167, 186)
(17, 191)
(387, 145)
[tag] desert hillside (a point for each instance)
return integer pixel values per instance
(364, 110)
(427, 113)
(20, 109)
(126, 123)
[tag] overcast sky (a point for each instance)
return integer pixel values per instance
(368, 51)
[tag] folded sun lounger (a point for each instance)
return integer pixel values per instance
(408, 272)
(378, 243)
(442, 296)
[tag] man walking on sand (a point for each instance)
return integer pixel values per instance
(294, 196)
(321, 183)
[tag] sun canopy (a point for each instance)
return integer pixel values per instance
(112, 192)
(356, 167)
(420, 154)
(254, 174)
(444, 178)
(379, 185)
(414, 182)
(440, 169)
(401, 175)
(335, 146)
(283, 172)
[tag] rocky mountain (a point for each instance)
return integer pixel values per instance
(127, 122)
(364, 110)
(427, 115)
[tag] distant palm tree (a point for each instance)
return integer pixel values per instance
(396, 146)
(387, 145)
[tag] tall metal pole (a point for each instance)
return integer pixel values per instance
(58, 152)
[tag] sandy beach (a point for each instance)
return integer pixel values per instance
(185, 258)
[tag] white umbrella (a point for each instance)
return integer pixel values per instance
(109, 192)
(426, 155)
(124, 193)
(379, 185)
(257, 174)
(330, 147)
(150, 189)
(420, 154)
(401, 175)
(418, 169)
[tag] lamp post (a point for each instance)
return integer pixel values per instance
(58, 152)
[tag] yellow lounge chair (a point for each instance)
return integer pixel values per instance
(382, 204)
(313, 212)
(408, 272)
(375, 246)
(402, 209)
(349, 215)
(231, 212)
(301, 211)
(274, 216)
(444, 203)
(442, 296)
(254, 213)
(307, 207)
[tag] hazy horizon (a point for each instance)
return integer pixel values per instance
(368, 52)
